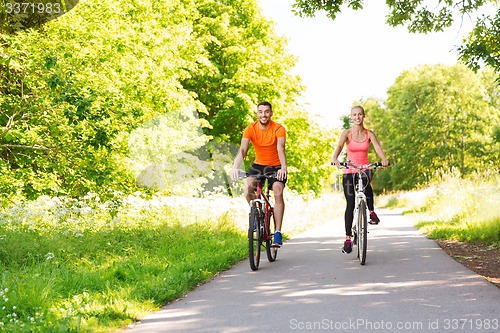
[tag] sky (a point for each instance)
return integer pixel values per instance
(357, 56)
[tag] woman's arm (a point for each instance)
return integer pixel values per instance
(378, 148)
(340, 146)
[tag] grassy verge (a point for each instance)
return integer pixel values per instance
(455, 209)
(86, 266)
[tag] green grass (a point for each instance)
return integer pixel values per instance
(485, 232)
(454, 208)
(106, 278)
(85, 266)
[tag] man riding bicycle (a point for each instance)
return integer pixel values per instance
(268, 139)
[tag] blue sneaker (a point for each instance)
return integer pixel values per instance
(278, 239)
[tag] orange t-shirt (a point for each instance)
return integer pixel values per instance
(265, 142)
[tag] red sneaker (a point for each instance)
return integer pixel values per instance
(347, 246)
(374, 218)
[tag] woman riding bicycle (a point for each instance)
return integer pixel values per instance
(357, 140)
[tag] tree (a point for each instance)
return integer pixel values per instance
(242, 63)
(481, 47)
(309, 150)
(437, 118)
(82, 83)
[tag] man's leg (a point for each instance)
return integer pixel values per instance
(279, 204)
(250, 187)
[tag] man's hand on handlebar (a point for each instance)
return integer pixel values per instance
(281, 174)
(234, 174)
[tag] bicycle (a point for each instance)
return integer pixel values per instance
(361, 212)
(261, 226)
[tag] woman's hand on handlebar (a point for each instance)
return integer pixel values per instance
(336, 162)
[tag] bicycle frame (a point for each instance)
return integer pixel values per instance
(260, 230)
(360, 196)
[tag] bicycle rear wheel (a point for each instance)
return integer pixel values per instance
(254, 239)
(271, 251)
(362, 230)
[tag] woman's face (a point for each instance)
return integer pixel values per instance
(357, 116)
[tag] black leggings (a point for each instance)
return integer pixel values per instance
(350, 196)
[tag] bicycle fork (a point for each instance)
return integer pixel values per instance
(259, 204)
(360, 196)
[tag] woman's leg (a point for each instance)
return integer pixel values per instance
(369, 197)
(348, 183)
(370, 200)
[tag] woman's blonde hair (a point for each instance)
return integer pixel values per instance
(358, 107)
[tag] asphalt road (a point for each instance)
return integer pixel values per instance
(407, 285)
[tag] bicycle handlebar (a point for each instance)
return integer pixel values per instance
(348, 165)
(243, 174)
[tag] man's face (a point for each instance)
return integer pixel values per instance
(264, 114)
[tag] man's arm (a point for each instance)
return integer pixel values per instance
(242, 153)
(282, 173)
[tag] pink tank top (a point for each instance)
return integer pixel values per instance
(357, 152)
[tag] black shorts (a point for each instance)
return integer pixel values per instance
(257, 169)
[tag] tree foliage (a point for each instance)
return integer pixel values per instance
(481, 46)
(87, 100)
(83, 82)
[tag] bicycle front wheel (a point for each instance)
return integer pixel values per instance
(271, 251)
(254, 239)
(362, 233)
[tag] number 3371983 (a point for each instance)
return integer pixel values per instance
(472, 324)
(33, 8)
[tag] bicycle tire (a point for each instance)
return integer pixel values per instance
(271, 251)
(254, 238)
(362, 233)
